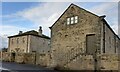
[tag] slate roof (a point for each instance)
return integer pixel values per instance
(32, 32)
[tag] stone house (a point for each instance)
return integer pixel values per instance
(30, 41)
(78, 31)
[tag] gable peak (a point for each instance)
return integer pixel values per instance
(71, 5)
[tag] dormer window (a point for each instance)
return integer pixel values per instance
(72, 20)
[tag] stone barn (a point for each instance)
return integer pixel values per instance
(79, 35)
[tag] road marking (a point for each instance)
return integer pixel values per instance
(1, 68)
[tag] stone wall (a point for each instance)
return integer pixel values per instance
(43, 59)
(7, 57)
(77, 62)
(19, 58)
(18, 44)
(111, 41)
(68, 40)
(109, 62)
(65, 38)
(33, 58)
(29, 58)
(38, 44)
(87, 62)
(28, 44)
(82, 62)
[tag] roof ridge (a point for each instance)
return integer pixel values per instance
(84, 9)
(31, 32)
(68, 8)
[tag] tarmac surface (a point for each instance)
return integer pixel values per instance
(15, 67)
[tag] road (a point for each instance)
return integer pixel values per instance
(14, 67)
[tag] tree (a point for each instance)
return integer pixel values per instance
(4, 49)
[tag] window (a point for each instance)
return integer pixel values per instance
(72, 20)
(12, 41)
(23, 40)
(76, 19)
(17, 40)
(68, 21)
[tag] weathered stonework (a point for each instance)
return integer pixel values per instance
(43, 60)
(29, 42)
(19, 58)
(82, 62)
(91, 36)
(40, 45)
(89, 44)
(21, 45)
(109, 62)
(28, 58)
(68, 37)
(7, 57)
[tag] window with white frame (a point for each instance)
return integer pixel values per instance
(72, 20)
(76, 19)
(68, 21)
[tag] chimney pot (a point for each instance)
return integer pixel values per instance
(40, 31)
(20, 32)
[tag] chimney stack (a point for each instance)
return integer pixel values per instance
(20, 32)
(40, 31)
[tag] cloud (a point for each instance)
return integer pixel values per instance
(110, 9)
(10, 30)
(103, 7)
(47, 13)
(8, 16)
(3, 41)
(115, 28)
(13, 20)
(44, 14)
(60, 0)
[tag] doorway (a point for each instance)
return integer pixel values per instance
(90, 44)
(13, 57)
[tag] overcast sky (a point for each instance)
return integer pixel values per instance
(27, 16)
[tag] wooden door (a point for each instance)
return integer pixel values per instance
(90, 44)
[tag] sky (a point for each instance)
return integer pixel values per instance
(25, 16)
